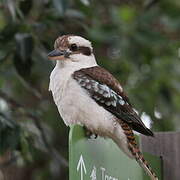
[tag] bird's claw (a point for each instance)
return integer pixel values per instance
(89, 134)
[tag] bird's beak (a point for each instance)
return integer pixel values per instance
(58, 54)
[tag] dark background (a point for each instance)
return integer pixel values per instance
(137, 40)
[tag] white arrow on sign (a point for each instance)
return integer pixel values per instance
(81, 166)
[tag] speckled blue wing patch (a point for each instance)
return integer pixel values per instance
(105, 96)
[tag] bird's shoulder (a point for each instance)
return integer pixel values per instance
(103, 76)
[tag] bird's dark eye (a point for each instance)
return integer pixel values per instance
(73, 47)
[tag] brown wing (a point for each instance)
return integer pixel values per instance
(107, 92)
(104, 77)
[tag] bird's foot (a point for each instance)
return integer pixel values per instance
(89, 134)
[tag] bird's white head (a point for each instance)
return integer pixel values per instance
(73, 51)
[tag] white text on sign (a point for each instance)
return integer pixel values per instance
(105, 175)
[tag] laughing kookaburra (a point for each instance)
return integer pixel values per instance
(88, 95)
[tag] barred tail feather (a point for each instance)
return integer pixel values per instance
(142, 162)
(136, 153)
(148, 170)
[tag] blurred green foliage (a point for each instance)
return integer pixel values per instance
(138, 41)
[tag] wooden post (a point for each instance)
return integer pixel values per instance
(167, 146)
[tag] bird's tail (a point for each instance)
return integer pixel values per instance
(142, 162)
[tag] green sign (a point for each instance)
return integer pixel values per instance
(101, 159)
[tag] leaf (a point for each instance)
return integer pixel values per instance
(9, 134)
(61, 6)
(24, 44)
(7, 33)
(126, 13)
(74, 14)
(2, 55)
(1, 82)
(11, 4)
(85, 2)
(25, 6)
(2, 21)
(22, 58)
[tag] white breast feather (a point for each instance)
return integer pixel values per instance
(77, 107)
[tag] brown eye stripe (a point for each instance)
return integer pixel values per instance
(84, 50)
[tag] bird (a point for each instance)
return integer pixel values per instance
(89, 95)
